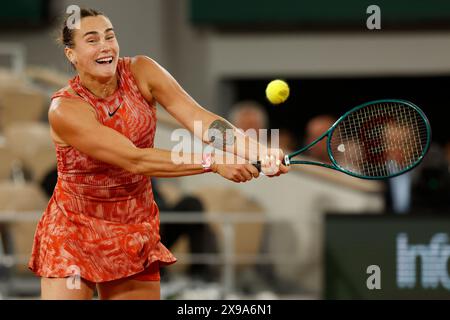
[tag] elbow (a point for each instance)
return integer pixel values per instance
(143, 162)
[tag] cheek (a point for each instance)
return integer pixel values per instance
(86, 55)
(116, 47)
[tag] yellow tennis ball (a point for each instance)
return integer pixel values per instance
(277, 91)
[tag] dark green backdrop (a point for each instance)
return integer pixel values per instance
(318, 12)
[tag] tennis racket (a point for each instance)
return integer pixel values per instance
(376, 140)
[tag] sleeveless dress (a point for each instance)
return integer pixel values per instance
(102, 222)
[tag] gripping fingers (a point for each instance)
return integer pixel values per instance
(238, 177)
(270, 165)
(246, 174)
(284, 168)
(253, 171)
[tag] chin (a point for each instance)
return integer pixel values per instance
(105, 72)
(105, 75)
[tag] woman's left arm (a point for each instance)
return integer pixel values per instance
(156, 83)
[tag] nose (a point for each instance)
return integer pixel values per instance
(104, 47)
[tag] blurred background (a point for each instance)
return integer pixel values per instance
(311, 234)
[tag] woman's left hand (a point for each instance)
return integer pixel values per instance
(272, 163)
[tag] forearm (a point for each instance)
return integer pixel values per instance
(224, 136)
(235, 141)
(163, 163)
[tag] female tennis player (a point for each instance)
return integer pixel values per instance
(102, 224)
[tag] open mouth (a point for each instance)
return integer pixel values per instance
(107, 60)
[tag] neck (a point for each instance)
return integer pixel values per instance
(102, 88)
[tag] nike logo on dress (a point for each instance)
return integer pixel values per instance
(114, 112)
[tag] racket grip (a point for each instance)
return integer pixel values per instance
(257, 165)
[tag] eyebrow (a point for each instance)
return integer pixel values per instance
(95, 32)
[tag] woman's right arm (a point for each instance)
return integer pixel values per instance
(74, 122)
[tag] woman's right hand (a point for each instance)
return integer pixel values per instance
(236, 172)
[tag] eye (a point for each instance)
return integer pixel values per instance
(110, 37)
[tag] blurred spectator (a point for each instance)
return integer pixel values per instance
(348, 153)
(287, 141)
(314, 129)
(248, 114)
(399, 188)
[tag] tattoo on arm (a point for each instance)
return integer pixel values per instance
(221, 134)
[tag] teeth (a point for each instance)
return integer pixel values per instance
(105, 59)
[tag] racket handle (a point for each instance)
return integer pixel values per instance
(257, 165)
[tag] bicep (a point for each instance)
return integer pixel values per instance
(78, 127)
(167, 91)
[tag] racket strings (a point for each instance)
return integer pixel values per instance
(379, 140)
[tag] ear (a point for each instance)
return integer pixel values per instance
(69, 54)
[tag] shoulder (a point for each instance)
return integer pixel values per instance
(68, 108)
(142, 65)
(142, 61)
(67, 104)
(147, 73)
(153, 80)
(150, 72)
(64, 115)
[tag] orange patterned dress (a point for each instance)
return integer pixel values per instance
(102, 220)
